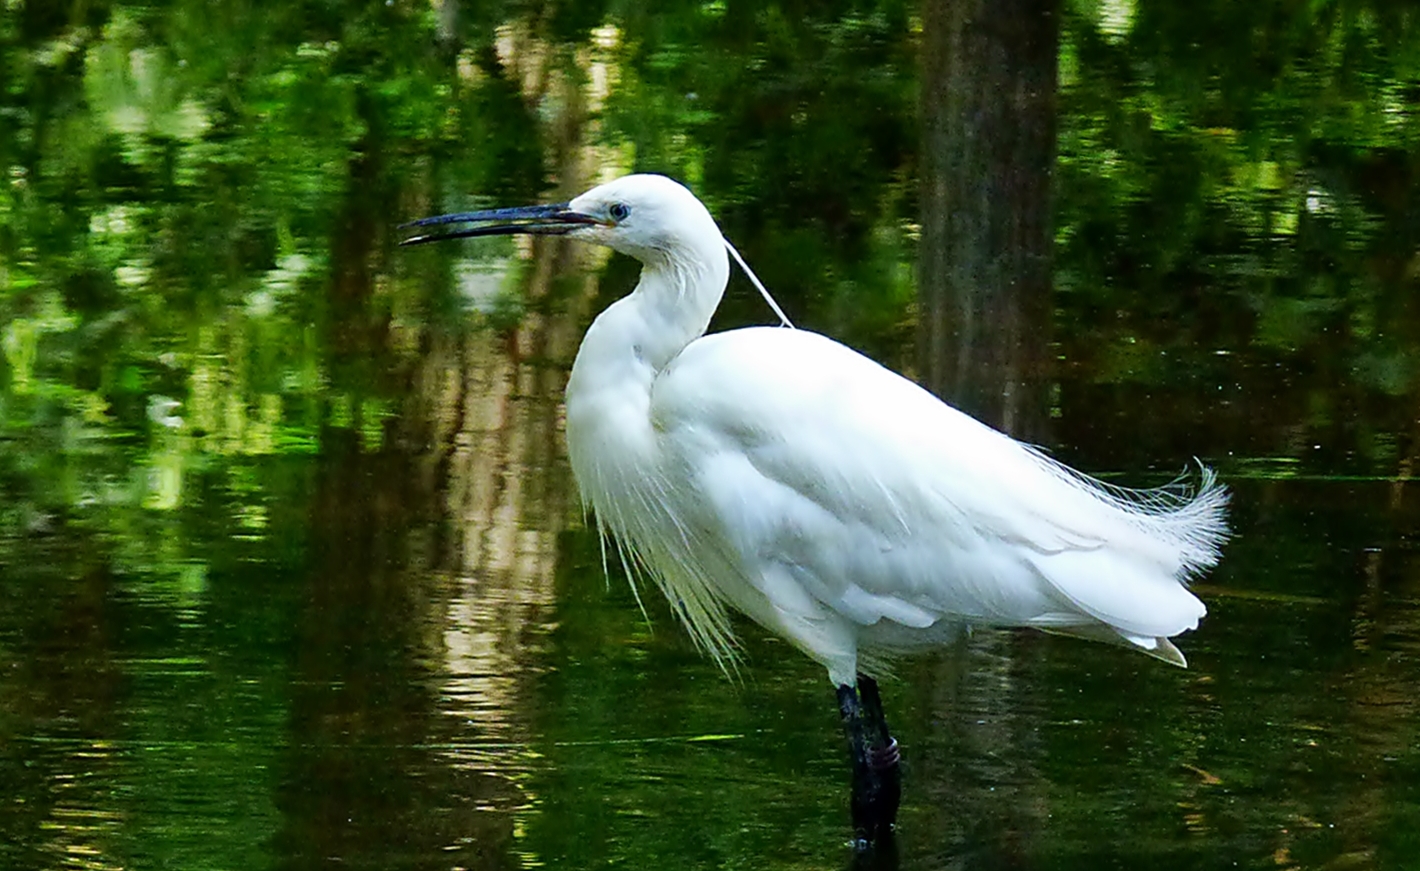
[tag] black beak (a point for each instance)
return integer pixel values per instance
(553, 220)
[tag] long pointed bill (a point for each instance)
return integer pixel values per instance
(553, 220)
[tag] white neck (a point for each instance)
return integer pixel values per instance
(637, 336)
(610, 439)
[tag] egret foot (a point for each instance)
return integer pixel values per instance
(877, 784)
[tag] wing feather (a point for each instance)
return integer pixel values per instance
(892, 505)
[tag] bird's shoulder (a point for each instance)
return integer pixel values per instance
(774, 379)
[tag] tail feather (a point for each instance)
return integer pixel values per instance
(1159, 647)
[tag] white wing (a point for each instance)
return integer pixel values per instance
(884, 503)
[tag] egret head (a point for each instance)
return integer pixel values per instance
(649, 217)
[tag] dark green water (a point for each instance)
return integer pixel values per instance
(292, 572)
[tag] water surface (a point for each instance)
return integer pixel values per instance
(292, 570)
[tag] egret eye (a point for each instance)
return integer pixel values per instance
(619, 211)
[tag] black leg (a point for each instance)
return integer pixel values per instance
(883, 755)
(852, 714)
(874, 757)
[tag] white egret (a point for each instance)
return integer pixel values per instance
(778, 473)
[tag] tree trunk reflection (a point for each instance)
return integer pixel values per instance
(988, 115)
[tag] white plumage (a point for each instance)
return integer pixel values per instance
(837, 504)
